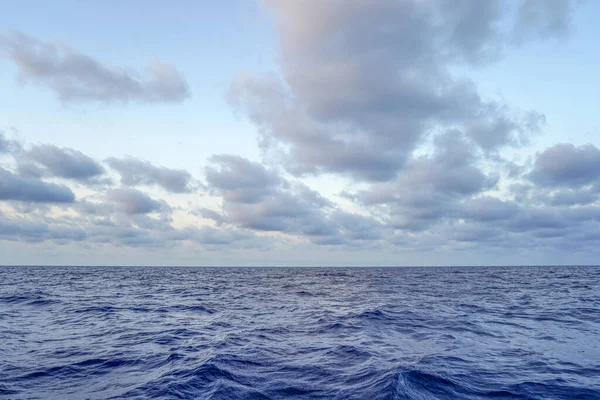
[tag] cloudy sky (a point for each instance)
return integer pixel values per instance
(380, 132)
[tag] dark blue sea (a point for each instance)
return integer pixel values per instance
(299, 333)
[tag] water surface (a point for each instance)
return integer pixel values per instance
(302, 333)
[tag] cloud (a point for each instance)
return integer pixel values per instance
(60, 162)
(135, 172)
(4, 144)
(572, 197)
(74, 76)
(132, 201)
(210, 214)
(430, 188)
(26, 230)
(122, 230)
(357, 227)
(32, 190)
(362, 85)
(543, 18)
(37, 232)
(256, 198)
(376, 93)
(489, 209)
(240, 180)
(566, 165)
(8, 146)
(29, 170)
(532, 218)
(212, 236)
(47, 160)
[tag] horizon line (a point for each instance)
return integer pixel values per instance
(296, 266)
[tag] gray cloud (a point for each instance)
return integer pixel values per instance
(257, 198)
(29, 170)
(519, 228)
(211, 236)
(37, 232)
(144, 231)
(240, 180)
(132, 201)
(366, 90)
(507, 224)
(555, 196)
(210, 214)
(22, 230)
(476, 233)
(362, 84)
(445, 195)
(122, 217)
(8, 146)
(357, 227)
(566, 165)
(543, 18)
(61, 162)
(3, 144)
(532, 218)
(32, 190)
(489, 209)
(74, 76)
(123, 230)
(136, 172)
(430, 188)
(573, 197)
(437, 200)
(47, 160)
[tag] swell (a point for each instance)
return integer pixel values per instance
(163, 333)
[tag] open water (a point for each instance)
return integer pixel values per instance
(299, 333)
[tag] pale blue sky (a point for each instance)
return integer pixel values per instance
(210, 44)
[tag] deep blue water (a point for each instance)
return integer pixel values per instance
(277, 333)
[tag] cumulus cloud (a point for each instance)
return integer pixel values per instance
(60, 162)
(488, 209)
(254, 197)
(50, 161)
(74, 76)
(29, 170)
(430, 188)
(212, 236)
(543, 18)
(365, 90)
(38, 231)
(123, 231)
(22, 230)
(132, 201)
(3, 144)
(257, 198)
(13, 187)
(362, 84)
(358, 227)
(571, 197)
(210, 214)
(8, 146)
(135, 172)
(566, 165)
(240, 180)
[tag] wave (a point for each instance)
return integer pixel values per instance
(337, 334)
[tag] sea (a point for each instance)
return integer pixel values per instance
(299, 333)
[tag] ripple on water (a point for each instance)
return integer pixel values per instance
(332, 333)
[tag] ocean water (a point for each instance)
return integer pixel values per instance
(299, 333)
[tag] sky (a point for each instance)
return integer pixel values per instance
(316, 132)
